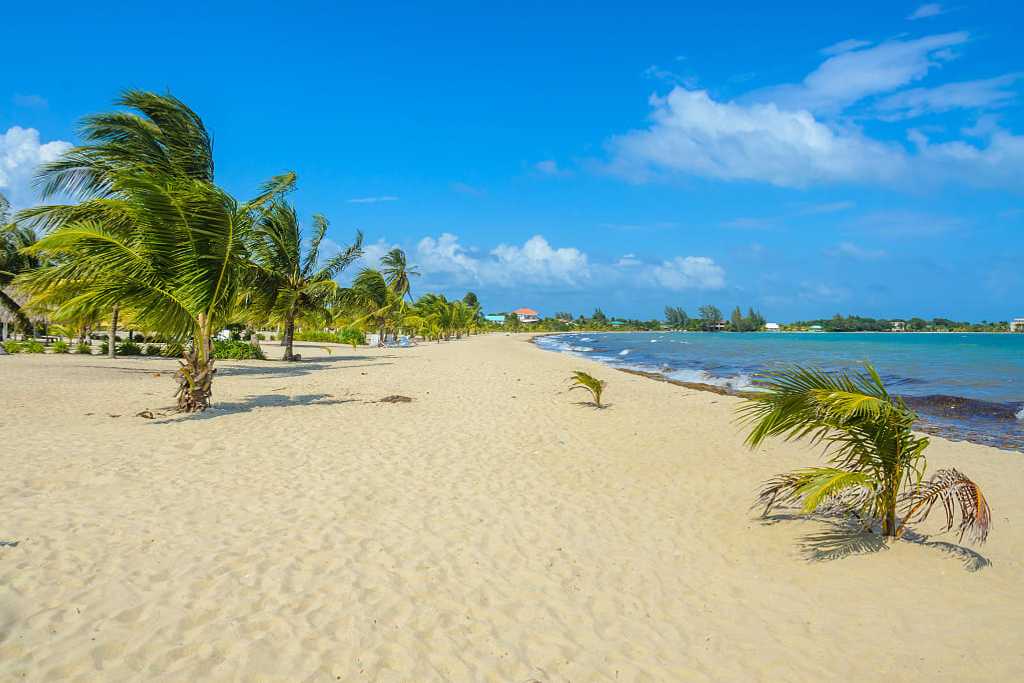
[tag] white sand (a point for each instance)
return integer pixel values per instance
(491, 530)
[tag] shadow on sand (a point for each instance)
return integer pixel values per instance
(840, 537)
(225, 408)
(261, 368)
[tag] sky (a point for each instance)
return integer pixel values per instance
(807, 160)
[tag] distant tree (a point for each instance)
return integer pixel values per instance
(564, 316)
(471, 300)
(709, 316)
(737, 321)
(676, 317)
(917, 324)
(599, 316)
(755, 320)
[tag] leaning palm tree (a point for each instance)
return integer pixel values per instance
(397, 272)
(876, 462)
(179, 268)
(369, 300)
(152, 233)
(288, 285)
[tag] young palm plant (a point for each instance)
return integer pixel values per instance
(288, 285)
(876, 463)
(582, 380)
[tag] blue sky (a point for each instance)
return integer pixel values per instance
(812, 159)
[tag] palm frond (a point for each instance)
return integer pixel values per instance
(959, 497)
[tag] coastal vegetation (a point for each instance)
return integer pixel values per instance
(153, 243)
(856, 323)
(876, 463)
(589, 383)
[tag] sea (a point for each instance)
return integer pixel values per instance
(963, 386)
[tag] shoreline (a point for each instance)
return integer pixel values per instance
(956, 428)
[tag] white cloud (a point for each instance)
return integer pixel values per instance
(692, 133)
(979, 94)
(373, 200)
(844, 46)
(857, 252)
(550, 167)
(688, 272)
(534, 263)
(30, 101)
(854, 74)
(929, 9)
(21, 152)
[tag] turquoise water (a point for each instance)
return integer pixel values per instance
(983, 373)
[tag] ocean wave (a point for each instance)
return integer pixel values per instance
(624, 352)
(1020, 413)
(741, 382)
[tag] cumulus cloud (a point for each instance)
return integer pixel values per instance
(694, 134)
(853, 74)
(688, 272)
(21, 153)
(373, 200)
(535, 262)
(979, 94)
(927, 10)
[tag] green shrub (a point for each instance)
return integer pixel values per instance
(60, 346)
(129, 349)
(33, 346)
(237, 350)
(353, 337)
(12, 346)
(261, 337)
(83, 347)
(104, 348)
(173, 350)
(153, 350)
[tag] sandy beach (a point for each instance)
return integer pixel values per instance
(492, 529)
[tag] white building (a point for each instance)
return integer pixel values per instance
(899, 326)
(772, 327)
(1017, 325)
(527, 315)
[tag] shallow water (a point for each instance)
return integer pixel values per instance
(964, 386)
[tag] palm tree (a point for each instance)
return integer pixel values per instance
(370, 299)
(152, 234)
(876, 462)
(14, 238)
(287, 284)
(397, 272)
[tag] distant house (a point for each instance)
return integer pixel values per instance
(617, 323)
(899, 326)
(772, 327)
(815, 328)
(527, 315)
(1017, 325)
(495, 318)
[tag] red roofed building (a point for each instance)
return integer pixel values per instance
(527, 315)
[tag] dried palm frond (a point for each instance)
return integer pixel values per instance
(959, 496)
(582, 380)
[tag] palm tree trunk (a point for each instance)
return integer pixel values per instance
(289, 337)
(195, 376)
(112, 339)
